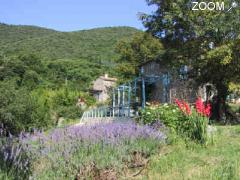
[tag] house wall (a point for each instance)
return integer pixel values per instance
(101, 88)
(178, 88)
(103, 96)
(154, 68)
(184, 90)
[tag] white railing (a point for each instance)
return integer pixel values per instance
(104, 112)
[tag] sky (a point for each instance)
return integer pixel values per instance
(71, 15)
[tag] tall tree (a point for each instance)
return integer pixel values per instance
(208, 40)
(143, 47)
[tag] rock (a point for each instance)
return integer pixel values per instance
(60, 121)
(211, 130)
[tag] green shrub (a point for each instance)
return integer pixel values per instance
(193, 127)
(65, 97)
(167, 114)
(62, 102)
(190, 126)
(19, 110)
(69, 112)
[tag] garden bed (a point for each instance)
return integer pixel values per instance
(85, 151)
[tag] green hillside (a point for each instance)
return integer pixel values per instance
(94, 45)
(78, 56)
(43, 72)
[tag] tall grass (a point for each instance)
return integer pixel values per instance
(192, 161)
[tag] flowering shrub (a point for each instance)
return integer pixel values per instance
(195, 120)
(183, 119)
(167, 114)
(65, 151)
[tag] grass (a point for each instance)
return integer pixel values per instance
(69, 122)
(218, 160)
(5, 176)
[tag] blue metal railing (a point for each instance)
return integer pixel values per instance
(123, 95)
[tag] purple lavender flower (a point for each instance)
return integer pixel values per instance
(61, 143)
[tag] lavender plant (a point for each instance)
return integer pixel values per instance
(64, 151)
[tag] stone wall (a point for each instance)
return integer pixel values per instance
(102, 86)
(178, 88)
(183, 89)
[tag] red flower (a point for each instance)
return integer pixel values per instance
(179, 104)
(202, 109)
(207, 110)
(187, 108)
(200, 106)
(184, 107)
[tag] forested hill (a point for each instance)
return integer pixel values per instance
(92, 45)
(43, 72)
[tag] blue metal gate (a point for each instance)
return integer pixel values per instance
(126, 99)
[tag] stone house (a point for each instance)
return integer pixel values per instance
(173, 84)
(101, 87)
